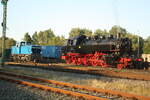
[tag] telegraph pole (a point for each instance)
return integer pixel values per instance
(138, 41)
(138, 46)
(4, 3)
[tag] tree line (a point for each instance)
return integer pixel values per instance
(9, 43)
(47, 37)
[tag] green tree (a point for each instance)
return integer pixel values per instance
(117, 29)
(47, 37)
(9, 43)
(35, 39)
(147, 46)
(59, 40)
(135, 45)
(78, 31)
(100, 32)
(44, 37)
(27, 38)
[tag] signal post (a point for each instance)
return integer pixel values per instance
(4, 3)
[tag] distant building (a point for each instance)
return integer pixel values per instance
(144, 56)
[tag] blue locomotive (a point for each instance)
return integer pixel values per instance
(25, 52)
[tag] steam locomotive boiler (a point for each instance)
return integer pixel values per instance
(98, 51)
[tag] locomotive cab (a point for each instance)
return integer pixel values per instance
(76, 40)
(22, 43)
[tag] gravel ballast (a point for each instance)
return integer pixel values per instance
(11, 91)
(125, 85)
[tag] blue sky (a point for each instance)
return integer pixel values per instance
(62, 15)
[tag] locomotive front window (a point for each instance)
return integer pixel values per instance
(28, 43)
(22, 43)
(70, 42)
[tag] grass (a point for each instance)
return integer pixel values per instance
(129, 87)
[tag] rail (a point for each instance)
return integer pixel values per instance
(85, 70)
(106, 92)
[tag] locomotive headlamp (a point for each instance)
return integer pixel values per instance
(118, 46)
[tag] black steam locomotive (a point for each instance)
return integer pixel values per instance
(98, 51)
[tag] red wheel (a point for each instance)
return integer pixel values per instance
(104, 64)
(120, 66)
(78, 63)
(68, 61)
(74, 60)
(85, 61)
(94, 63)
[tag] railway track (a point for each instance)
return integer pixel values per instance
(69, 89)
(90, 71)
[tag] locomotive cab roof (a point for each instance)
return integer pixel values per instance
(76, 40)
(22, 43)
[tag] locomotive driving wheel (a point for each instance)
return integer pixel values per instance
(123, 63)
(95, 63)
(68, 60)
(78, 61)
(85, 62)
(120, 66)
(102, 63)
(28, 58)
